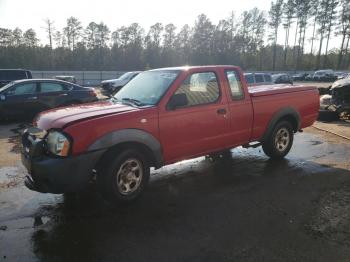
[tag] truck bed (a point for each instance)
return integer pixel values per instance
(267, 100)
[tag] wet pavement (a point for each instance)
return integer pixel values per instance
(238, 208)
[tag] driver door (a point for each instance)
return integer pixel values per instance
(202, 125)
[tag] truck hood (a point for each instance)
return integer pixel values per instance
(64, 116)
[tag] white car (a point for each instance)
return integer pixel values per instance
(112, 86)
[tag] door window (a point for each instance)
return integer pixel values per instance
(51, 87)
(24, 89)
(200, 88)
(235, 85)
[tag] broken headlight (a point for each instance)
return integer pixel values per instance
(58, 143)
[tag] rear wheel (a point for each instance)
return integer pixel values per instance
(123, 176)
(280, 141)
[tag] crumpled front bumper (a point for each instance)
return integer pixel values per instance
(50, 174)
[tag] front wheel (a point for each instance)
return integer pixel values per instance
(123, 176)
(280, 141)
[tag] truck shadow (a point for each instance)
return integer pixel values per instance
(233, 208)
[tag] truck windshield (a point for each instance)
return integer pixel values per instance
(148, 87)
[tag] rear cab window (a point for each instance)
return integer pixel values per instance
(235, 85)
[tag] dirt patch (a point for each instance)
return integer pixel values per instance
(10, 143)
(11, 176)
(16, 144)
(340, 127)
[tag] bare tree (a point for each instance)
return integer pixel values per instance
(288, 15)
(169, 36)
(17, 37)
(344, 27)
(314, 13)
(275, 15)
(330, 23)
(72, 31)
(30, 39)
(303, 10)
(103, 35)
(49, 28)
(325, 18)
(90, 35)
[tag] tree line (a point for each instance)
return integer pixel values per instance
(250, 40)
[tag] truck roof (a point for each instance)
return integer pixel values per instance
(184, 68)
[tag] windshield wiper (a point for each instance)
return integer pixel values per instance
(133, 101)
(115, 100)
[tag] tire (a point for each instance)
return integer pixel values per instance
(113, 181)
(280, 141)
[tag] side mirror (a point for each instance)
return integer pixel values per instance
(177, 100)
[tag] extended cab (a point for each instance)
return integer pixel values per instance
(160, 117)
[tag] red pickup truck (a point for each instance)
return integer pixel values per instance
(162, 116)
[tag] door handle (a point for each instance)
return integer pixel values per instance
(32, 98)
(221, 111)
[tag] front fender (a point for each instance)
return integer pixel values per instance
(130, 135)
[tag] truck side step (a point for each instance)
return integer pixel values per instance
(254, 145)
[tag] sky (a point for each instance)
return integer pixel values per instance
(27, 14)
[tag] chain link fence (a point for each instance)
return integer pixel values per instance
(85, 78)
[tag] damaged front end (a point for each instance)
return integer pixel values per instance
(335, 102)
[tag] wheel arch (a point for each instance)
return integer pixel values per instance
(289, 114)
(135, 138)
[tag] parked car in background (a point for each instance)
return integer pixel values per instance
(112, 86)
(26, 98)
(300, 77)
(341, 75)
(9, 75)
(257, 79)
(282, 79)
(326, 75)
(161, 117)
(70, 79)
(308, 77)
